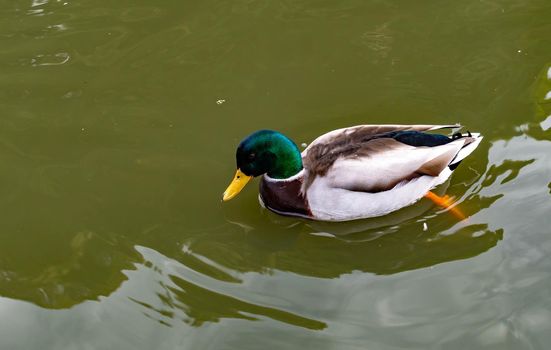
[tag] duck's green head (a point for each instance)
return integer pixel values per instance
(264, 152)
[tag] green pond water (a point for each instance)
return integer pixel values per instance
(118, 127)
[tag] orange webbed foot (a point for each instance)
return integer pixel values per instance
(447, 203)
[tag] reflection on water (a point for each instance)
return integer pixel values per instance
(201, 305)
(50, 59)
(90, 265)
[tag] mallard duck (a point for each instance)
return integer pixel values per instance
(351, 173)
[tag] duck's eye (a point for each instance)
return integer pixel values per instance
(252, 156)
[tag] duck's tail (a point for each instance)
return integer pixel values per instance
(467, 149)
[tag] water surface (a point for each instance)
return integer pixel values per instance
(117, 137)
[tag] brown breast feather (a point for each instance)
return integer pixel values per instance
(285, 196)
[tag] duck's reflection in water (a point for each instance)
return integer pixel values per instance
(274, 245)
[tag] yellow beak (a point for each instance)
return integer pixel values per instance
(239, 181)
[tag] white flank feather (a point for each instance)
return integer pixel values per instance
(335, 204)
(383, 170)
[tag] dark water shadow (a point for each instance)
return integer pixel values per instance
(328, 251)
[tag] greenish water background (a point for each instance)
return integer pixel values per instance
(114, 153)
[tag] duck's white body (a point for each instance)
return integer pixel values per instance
(369, 174)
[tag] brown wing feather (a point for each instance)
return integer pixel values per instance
(366, 141)
(321, 156)
(358, 140)
(370, 130)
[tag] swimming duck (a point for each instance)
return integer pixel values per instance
(351, 173)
